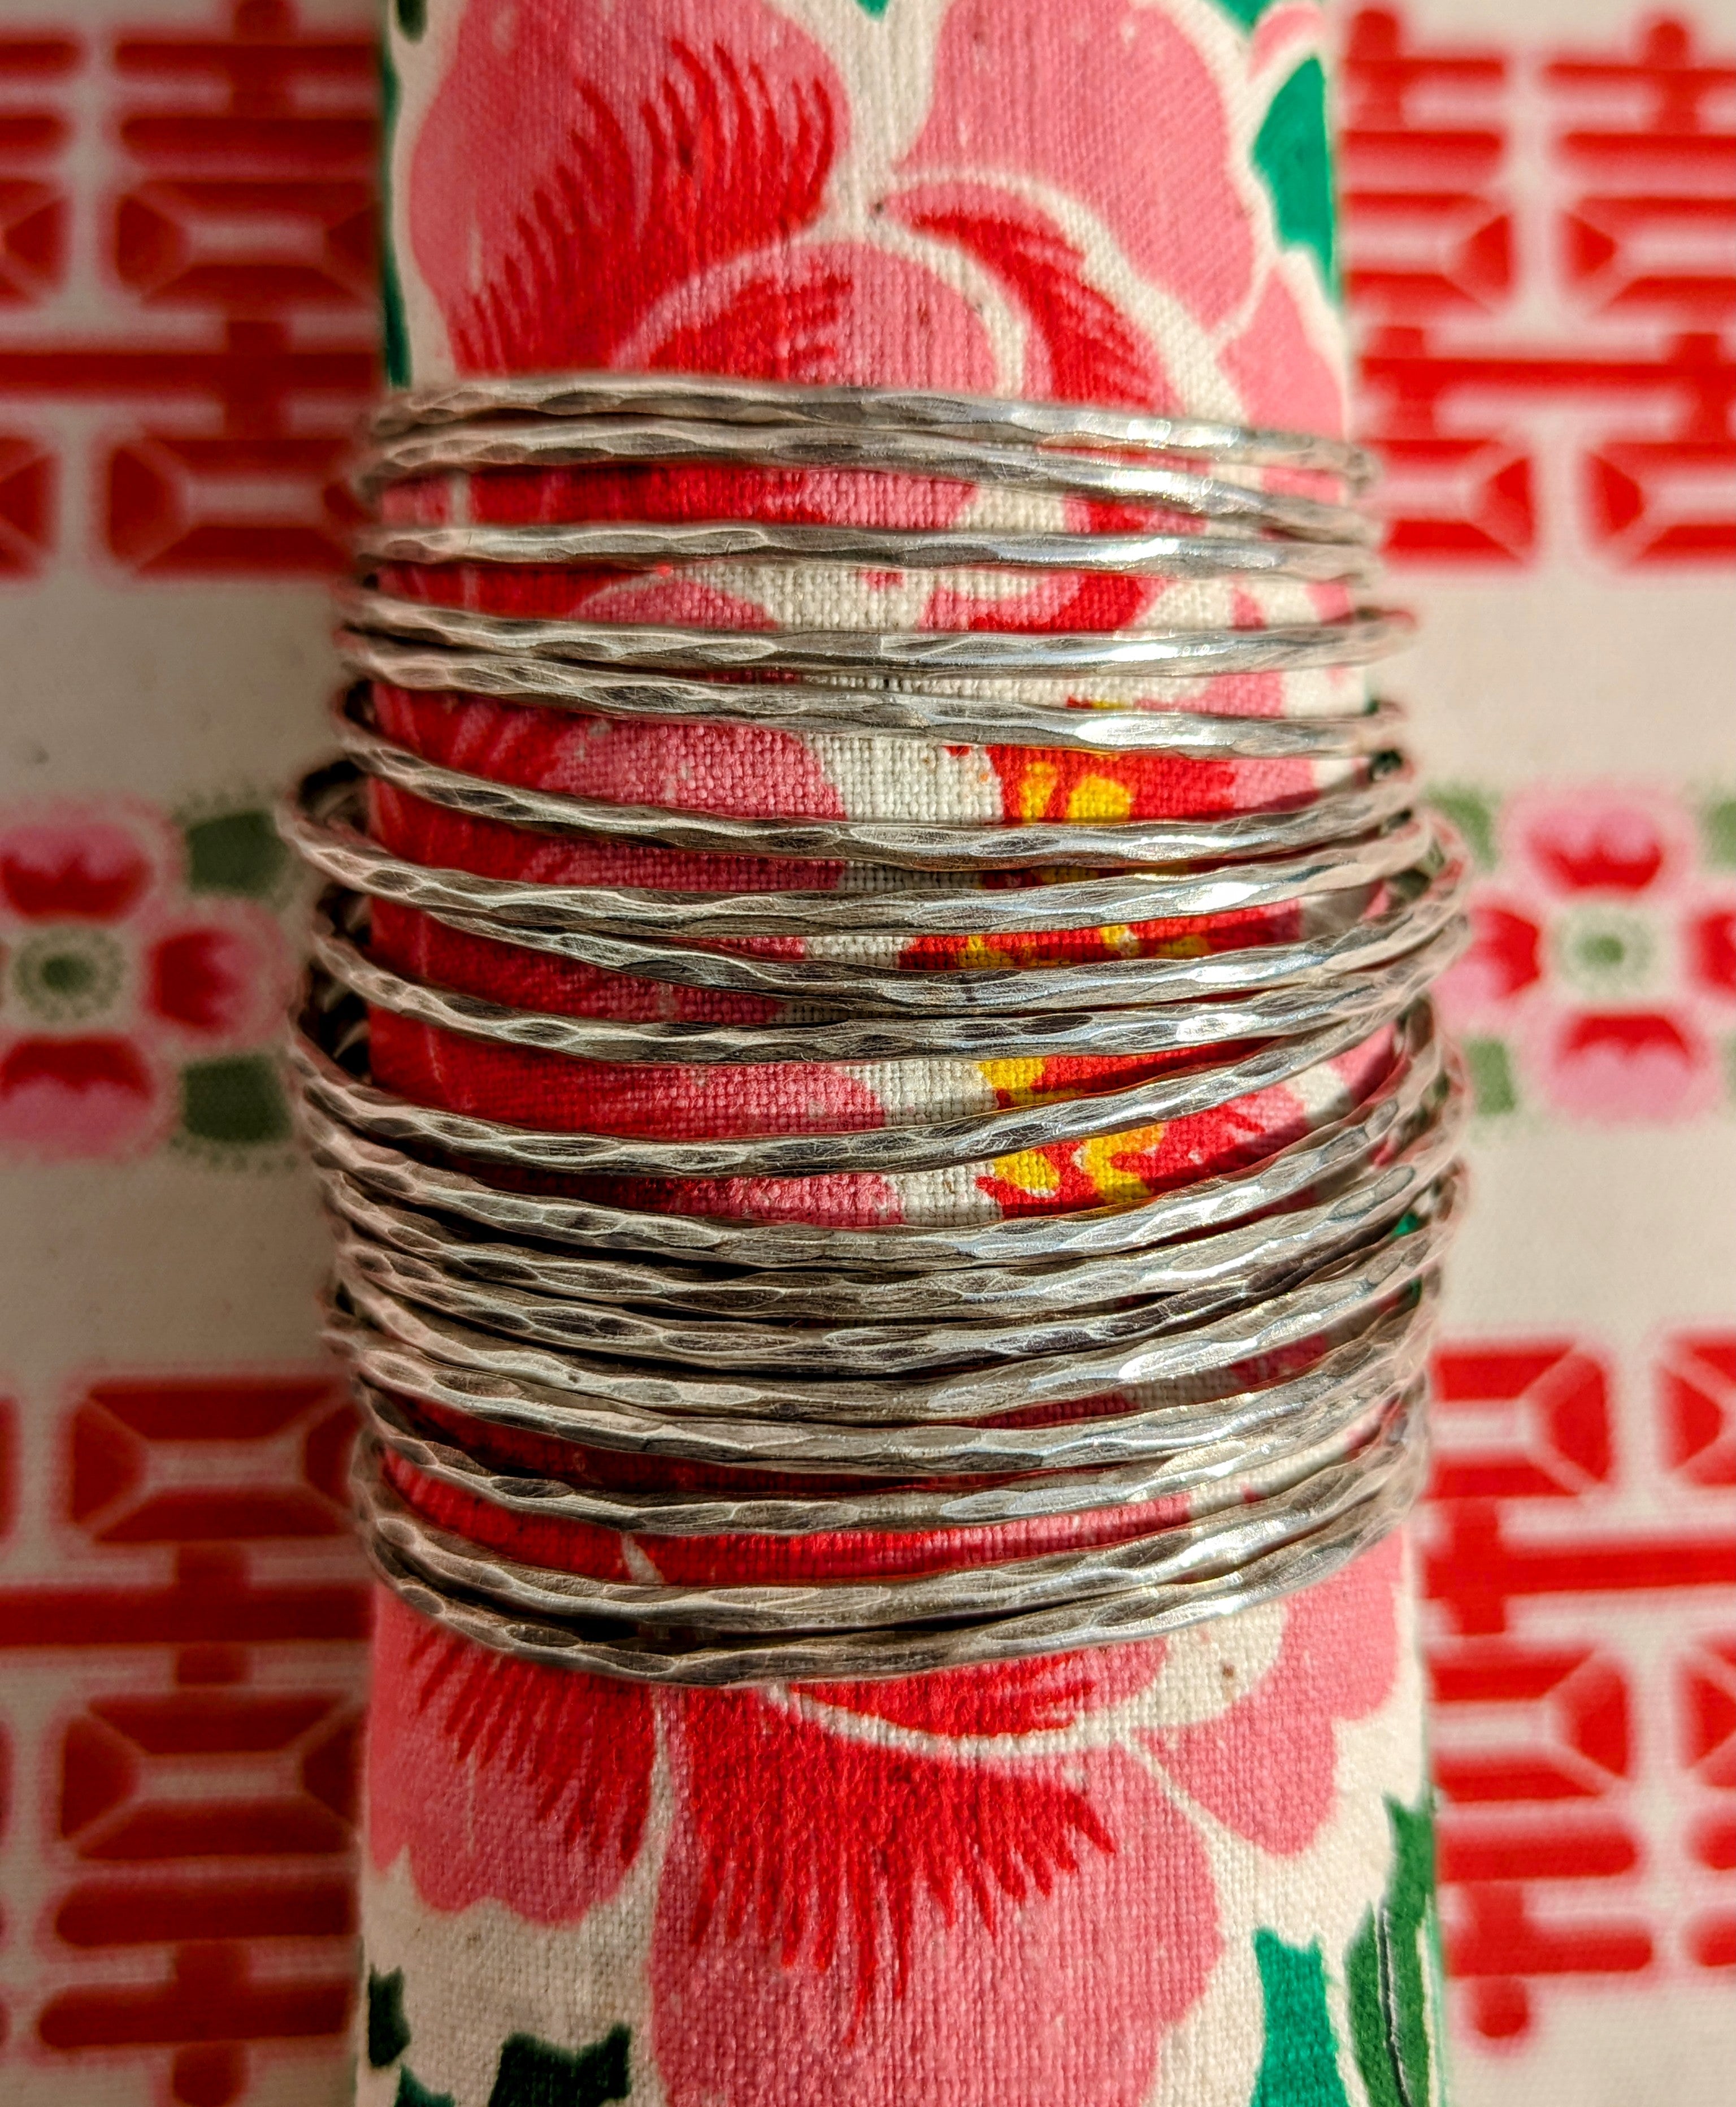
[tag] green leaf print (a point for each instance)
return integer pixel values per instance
(1299, 2066)
(1389, 1969)
(412, 2092)
(1293, 152)
(389, 2031)
(535, 2074)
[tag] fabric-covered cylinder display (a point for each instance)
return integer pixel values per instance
(1191, 1865)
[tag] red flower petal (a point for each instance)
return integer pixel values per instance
(76, 1097)
(1018, 1697)
(1630, 1065)
(73, 871)
(658, 142)
(501, 1777)
(1712, 942)
(1597, 848)
(1268, 1766)
(842, 1921)
(204, 980)
(1504, 957)
(1079, 84)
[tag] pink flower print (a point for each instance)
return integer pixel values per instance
(1602, 955)
(851, 1866)
(110, 975)
(698, 202)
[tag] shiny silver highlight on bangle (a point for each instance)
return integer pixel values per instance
(1072, 1428)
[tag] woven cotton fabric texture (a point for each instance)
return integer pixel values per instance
(1189, 1871)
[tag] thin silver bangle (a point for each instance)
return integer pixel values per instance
(481, 446)
(1146, 1612)
(661, 545)
(1336, 1147)
(351, 860)
(974, 1138)
(1076, 1284)
(914, 1426)
(1337, 1486)
(1282, 1013)
(1428, 901)
(1359, 638)
(906, 711)
(1073, 1466)
(1342, 812)
(726, 399)
(592, 1304)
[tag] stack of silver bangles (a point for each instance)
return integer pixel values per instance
(1206, 1397)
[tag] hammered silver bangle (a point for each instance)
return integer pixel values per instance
(1335, 1149)
(908, 710)
(523, 911)
(729, 400)
(1251, 1346)
(1338, 1483)
(1084, 1465)
(1248, 1576)
(1346, 812)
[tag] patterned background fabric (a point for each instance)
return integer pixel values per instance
(1535, 250)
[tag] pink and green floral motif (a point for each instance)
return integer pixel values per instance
(844, 1869)
(1601, 984)
(142, 973)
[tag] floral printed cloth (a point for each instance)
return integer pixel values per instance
(1193, 1872)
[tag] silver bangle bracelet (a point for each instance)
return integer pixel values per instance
(727, 400)
(661, 544)
(1074, 1285)
(351, 860)
(1338, 1146)
(1093, 1368)
(1427, 900)
(1357, 639)
(1333, 1485)
(1159, 1028)
(478, 446)
(906, 711)
(1147, 1610)
(1334, 814)
(918, 1427)
(589, 1303)
(975, 1138)
(1070, 1466)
